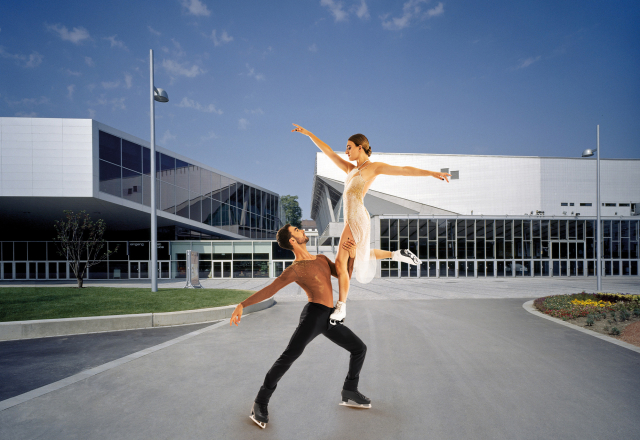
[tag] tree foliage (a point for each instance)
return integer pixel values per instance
(80, 240)
(292, 210)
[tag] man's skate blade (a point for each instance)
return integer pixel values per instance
(258, 422)
(355, 405)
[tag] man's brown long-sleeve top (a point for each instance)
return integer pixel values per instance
(314, 276)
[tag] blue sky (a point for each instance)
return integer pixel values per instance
(425, 76)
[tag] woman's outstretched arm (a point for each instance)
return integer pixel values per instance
(392, 170)
(340, 162)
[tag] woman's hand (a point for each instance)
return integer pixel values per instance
(236, 316)
(441, 176)
(301, 130)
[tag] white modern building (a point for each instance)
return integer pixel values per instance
(49, 165)
(498, 216)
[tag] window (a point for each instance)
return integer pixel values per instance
(455, 175)
(564, 204)
(608, 204)
(571, 204)
(444, 170)
(624, 204)
(585, 204)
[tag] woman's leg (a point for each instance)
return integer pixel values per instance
(341, 264)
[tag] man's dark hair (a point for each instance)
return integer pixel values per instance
(283, 236)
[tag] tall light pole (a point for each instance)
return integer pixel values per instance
(160, 96)
(588, 153)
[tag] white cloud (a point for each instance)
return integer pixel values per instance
(111, 84)
(166, 137)
(335, 8)
(153, 31)
(26, 115)
(196, 7)
(313, 48)
(92, 113)
(175, 68)
(115, 42)
(71, 88)
(190, 103)
(128, 80)
(89, 62)
(224, 38)
(411, 10)
(362, 11)
(252, 74)
(526, 63)
(178, 49)
(242, 124)
(72, 72)
(438, 10)
(29, 101)
(257, 111)
(32, 60)
(209, 136)
(76, 36)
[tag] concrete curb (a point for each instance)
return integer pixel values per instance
(43, 328)
(528, 306)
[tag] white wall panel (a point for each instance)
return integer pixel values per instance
(6, 122)
(22, 137)
(77, 122)
(48, 192)
(52, 129)
(84, 153)
(12, 129)
(17, 184)
(10, 191)
(41, 173)
(86, 130)
(39, 185)
(17, 161)
(76, 137)
(50, 158)
(75, 169)
(47, 145)
(26, 151)
(9, 172)
(46, 137)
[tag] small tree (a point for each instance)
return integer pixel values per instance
(292, 210)
(80, 240)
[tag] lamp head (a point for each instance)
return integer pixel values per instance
(588, 152)
(160, 95)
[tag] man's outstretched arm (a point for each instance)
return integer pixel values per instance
(285, 278)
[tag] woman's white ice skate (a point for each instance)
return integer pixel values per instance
(339, 313)
(405, 256)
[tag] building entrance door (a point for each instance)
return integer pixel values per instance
(138, 269)
(163, 269)
(221, 269)
(57, 271)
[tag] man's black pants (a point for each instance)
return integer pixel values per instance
(314, 320)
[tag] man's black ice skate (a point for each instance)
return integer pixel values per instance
(355, 399)
(260, 414)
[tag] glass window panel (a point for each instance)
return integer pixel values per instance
(167, 168)
(489, 229)
(573, 251)
(479, 228)
(109, 148)
(508, 249)
(442, 228)
(131, 156)
(118, 250)
(517, 244)
(508, 227)
(489, 268)
(182, 174)
(146, 190)
(606, 228)
(563, 230)
(224, 191)
(146, 160)
(535, 228)
(624, 229)
(500, 228)
(462, 246)
(182, 202)
(384, 227)
(633, 249)
(20, 250)
(205, 182)
(499, 247)
(526, 229)
(131, 186)
(589, 228)
(37, 250)
(489, 249)
(110, 178)
(480, 268)
(433, 230)
(480, 248)
(573, 229)
(194, 179)
(544, 229)
(461, 231)
(615, 230)
(442, 248)
(451, 230)
(52, 252)
(554, 229)
(393, 229)
(470, 230)
(195, 207)
(139, 250)
(517, 228)
(413, 229)
(615, 249)
(451, 248)
(633, 230)
(424, 228)
(470, 250)
(168, 198)
(7, 251)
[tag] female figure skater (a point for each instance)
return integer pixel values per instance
(357, 223)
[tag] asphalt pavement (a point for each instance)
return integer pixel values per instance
(473, 368)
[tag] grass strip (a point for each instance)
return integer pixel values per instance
(28, 303)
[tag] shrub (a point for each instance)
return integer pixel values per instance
(590, 319)
(615, 331)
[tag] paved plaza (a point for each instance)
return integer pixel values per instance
(447, 359)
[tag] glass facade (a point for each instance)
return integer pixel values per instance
(131, 260)
(499, 247)
(186, 190)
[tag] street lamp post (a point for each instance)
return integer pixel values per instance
(160, 96)
(589, 153)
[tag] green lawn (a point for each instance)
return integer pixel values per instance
(26, 303)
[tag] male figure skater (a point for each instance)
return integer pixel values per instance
(313, 273)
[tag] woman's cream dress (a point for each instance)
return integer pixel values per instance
(357, 217)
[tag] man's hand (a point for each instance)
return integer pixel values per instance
(237, 315)
(350, 246)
